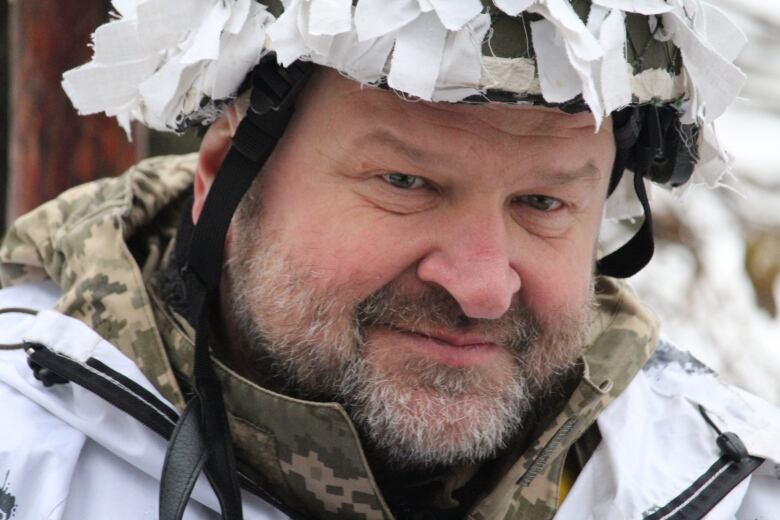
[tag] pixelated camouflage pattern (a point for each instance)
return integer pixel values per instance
(80, 241)
(106, 244)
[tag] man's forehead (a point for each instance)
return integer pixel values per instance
(372, 103)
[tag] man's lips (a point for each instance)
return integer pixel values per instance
(447, 347)
(453, 339)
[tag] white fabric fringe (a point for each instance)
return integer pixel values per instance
(158, 61)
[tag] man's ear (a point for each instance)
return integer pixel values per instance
(213, 149)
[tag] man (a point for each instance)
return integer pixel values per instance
(407, 322)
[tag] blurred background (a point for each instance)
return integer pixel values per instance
(715, 279)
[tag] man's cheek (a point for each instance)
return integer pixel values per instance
(552, 294)
(361, 267)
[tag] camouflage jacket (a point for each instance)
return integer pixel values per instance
(106, 244)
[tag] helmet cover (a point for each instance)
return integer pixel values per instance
(173, 64)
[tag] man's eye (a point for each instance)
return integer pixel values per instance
(404, 181)
(540, 202)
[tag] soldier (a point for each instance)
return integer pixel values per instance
(378, 290)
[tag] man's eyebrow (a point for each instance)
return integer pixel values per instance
(390, 140)
(589, 172)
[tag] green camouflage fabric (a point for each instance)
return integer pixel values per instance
(511, 38)
(106, 245)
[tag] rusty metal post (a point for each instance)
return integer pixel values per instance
(51, 148)
(3, 109)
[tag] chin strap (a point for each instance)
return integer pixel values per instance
(651, 143)
(637, 252)
(201, 440)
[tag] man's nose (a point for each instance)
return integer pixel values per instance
(472, 263)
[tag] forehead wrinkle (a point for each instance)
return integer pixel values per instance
(481, 130)
(589, 172)
(479, 119)
(507, 119)
(481, 125)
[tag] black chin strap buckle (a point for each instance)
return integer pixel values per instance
(666, 150)
(274, 91)
(275, 88)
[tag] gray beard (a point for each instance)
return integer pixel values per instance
(414, 412)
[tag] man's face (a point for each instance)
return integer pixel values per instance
(427, 265)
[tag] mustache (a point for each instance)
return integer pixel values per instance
(432, 307)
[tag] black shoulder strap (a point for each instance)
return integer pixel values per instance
(708, 490)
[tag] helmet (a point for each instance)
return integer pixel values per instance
(173, 64)
(662, 68)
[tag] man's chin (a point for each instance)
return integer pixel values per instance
(420, 411)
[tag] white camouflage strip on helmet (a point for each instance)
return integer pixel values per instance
(162, 58)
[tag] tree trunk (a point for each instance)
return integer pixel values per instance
(51, 147)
